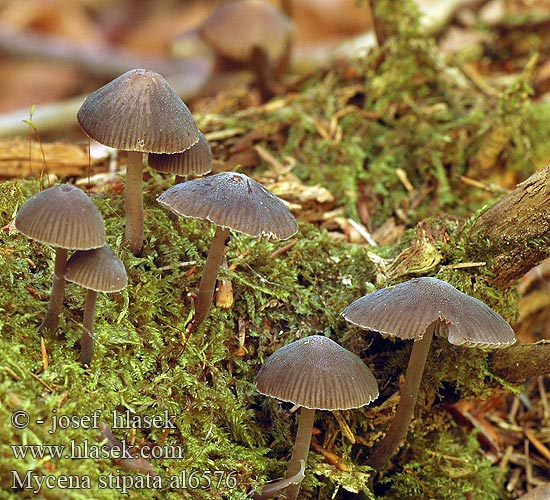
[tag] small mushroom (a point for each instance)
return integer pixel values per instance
(250, 32)
(66, 218)
(98, 270)
(317, 374)
(541, 492)
(416, 309)
(140, 113)
(197, 160)
(230, 200)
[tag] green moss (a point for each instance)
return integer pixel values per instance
(138, 364)
(221, 422)
(400, 109)
(447, 464)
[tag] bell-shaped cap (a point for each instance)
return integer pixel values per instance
(406, 310)
(99, 269)
(62, 216)
(197, 160)
(235, 28)
(235, 201)
(316, 372)
(138, 111)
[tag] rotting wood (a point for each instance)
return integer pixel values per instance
(513, 235)
(62, 159)
(518, 363)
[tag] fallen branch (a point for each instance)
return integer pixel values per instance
(97, 60)
(513, 235)
(61, 115)
(186, 76)
(518, 363)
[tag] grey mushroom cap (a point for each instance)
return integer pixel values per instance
(235, 28)
(235, 201)
(406, 310)
(315, 372)
(138, 111)
(62, 216)
(541, 492)
(99, 269)
(197, 160)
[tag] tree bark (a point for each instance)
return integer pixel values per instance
(513, 235)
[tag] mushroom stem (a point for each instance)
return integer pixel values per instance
(398, 429)
(55, 306)
(296, 467)
(208, 281)
(87, 339)
(262, 67)
(286, 7)
(301, 450)
(270, 490)
(133, 200)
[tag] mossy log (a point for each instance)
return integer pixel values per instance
(513, 235)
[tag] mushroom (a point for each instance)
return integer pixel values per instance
(250, 32)
(230, 200)
(417, 309)
(541, 492)
(317, 374)
(140, 113)
(197, 160)
(66, 218)
(98, 270)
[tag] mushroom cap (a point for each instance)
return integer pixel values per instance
(406, 310)
(541, 492)
(197, 160)
(235, 28)
(235, 201)
(316, 372)
(138, 111)
(62, 216)
(99, 269)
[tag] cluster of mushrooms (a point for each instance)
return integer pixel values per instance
(139, 113)
(67, 219)
(316, 373)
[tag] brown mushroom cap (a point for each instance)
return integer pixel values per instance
(99, 269)
(317, 373)
(406, 310)
(197, 160)
(235, 28)
(138, 111)
(62, 216)
(235, 201)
